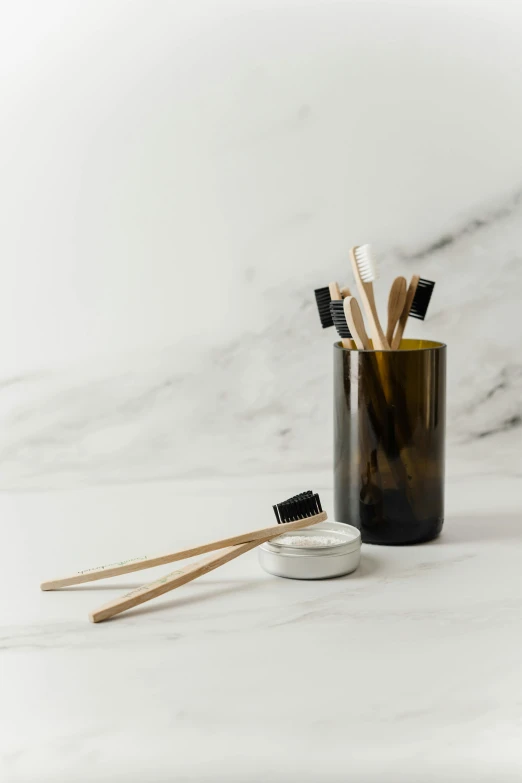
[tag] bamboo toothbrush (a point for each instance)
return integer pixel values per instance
(363, 264)
(336, 300)
(416, 305)
(175, 579)
(354, 319)
(306, 507)
(338, 296)
(323, 297)
(396, 301)
(140, 563)
(341, 326)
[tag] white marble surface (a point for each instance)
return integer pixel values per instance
(407, 670)
(177, 178)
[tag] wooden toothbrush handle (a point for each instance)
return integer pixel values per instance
(389, 333)
(368, 301)
(355, 323)
(396, 342)
(169, 582)
(140, 563)
(335, 291)
(396, 301)
(379, 340)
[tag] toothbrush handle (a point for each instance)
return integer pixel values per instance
(170, 582)
(379, 340)
(389, 332)
(405, 312)
(355, 323)
(396, 301)
(138, 564)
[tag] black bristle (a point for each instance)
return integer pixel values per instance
(421, 300)
(339, 319)
(322, 298)
(302, 506)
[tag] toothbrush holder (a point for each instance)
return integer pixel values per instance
(389, 440)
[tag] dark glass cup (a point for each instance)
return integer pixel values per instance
(390, 418)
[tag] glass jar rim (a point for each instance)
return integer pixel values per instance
(426, 345)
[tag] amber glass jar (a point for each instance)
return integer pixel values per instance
(389, 436)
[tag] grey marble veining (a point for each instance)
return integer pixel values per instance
(262, 403)
(177, 178)
(170, 200)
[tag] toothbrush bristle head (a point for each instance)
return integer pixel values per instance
(421, 299)
(323, 299)
(339, 319)
(366, 263)
(306, 504)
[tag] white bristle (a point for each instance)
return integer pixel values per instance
(366, 263)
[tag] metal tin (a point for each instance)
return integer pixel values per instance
(313, 562)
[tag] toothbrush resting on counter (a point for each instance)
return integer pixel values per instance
(295, 513)
(301, 507)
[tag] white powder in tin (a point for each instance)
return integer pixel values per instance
(308, 541)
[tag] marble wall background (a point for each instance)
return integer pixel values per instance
(177, 178)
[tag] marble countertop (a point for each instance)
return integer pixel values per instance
(407, 670)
